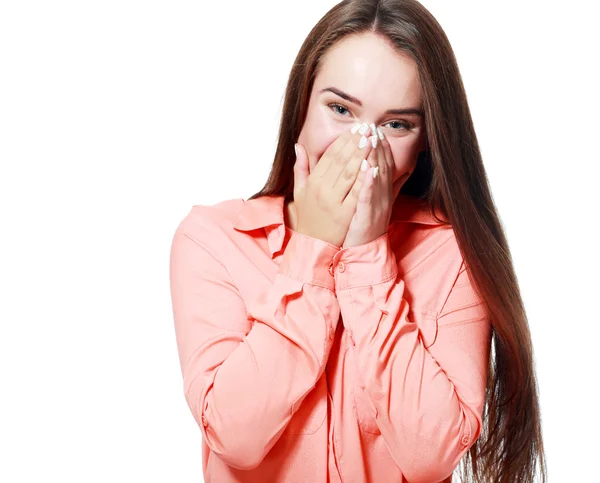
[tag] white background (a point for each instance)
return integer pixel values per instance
(117, 116)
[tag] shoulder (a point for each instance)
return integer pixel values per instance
(206, 224)
(430, 261)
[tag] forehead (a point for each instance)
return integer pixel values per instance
(365, 64)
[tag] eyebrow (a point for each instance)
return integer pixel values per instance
(354, 100)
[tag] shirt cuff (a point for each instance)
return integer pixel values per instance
(308, 259)
(367, 264)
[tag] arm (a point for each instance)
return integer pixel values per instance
(427, 398)
(243, 381)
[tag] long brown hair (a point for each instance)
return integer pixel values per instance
(451, 177)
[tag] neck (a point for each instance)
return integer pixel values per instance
(289, 215)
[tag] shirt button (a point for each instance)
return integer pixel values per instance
(204, 421)
(341, 267)
(465, 440)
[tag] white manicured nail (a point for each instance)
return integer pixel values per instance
(375, 171)
(373, 129)
(374, 141)
(364, 127)
(380, 133)
(355, 128)
(364, 165)
(363, 142)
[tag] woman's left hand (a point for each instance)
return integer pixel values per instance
(376, 199)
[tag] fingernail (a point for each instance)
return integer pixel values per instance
(364, 127)
(355, 128)
(364, 165)
(374, 141)
(363, 142)
(373, 129)
(375, 171)
(380, 133)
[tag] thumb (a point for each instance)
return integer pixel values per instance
(301, 167)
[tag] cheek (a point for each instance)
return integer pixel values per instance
(405, 156)
(319, 131)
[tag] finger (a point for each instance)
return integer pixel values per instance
(374, 135)
(348, 176)
(387, 152)
(358, 147)
(373, 154)
(349, 203)
(379, 186)
(301, 169)
(364, 203)
(319, 167)
(366, 193)
(373, 163)
(348, 138)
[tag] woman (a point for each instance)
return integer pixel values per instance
(338, 325)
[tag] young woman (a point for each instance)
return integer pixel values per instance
(338, 325)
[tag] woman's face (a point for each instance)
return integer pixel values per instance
(361, 78)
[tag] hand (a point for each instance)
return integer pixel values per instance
(326, 196)
(376, 198)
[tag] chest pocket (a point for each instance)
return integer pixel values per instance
(309, 414)
(365, 411)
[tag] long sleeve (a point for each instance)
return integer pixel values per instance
(426, 397)
(243, 381)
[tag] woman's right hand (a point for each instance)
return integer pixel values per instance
(326, 196)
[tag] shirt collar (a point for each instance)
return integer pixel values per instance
(267, 212)
(259, 213)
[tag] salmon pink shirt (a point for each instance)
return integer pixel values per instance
(306, 362)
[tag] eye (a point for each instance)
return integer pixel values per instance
(340, 109)
(406, 125)
(334, 107)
